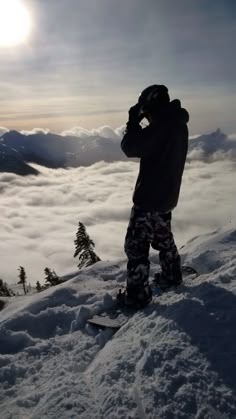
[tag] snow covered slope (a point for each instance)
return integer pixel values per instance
(175, 359)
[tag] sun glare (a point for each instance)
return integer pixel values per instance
(15, 22)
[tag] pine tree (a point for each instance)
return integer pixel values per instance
(38, 286)
(84, 248)
(51, 277)
(22, 276)
(4, 290)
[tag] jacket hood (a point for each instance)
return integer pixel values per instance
(176, 112)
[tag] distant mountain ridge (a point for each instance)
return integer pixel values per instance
(214, 146)
(11, 161)
(57, 151)
(18, 150)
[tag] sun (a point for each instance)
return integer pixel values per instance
(15, 22)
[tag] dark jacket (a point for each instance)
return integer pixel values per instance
(162, 148)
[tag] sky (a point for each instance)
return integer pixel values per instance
(85, 62)
(39, 215)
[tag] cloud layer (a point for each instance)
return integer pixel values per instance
(39, 215)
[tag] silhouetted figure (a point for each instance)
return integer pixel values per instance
(162, 149)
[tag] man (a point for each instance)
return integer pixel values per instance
(162, 149)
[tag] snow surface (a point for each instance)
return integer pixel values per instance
(175, 359)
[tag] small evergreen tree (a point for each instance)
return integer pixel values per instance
(38, 286)
(4, 290)
(51, 277)
(22, 276)
(2, 304)
(84, 248)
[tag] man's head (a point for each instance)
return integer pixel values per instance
(152, 99)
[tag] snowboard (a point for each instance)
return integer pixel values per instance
(116, 317)
(105, 321)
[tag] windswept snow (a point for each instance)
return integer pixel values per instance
(175, 359)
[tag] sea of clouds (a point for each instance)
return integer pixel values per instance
(39, 214)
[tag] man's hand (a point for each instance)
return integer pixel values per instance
(134, 114)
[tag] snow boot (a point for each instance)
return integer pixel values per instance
(164, 283)
(135, 297)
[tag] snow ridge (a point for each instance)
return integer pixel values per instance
(173, 359)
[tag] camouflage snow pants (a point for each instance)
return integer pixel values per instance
(145, 229)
